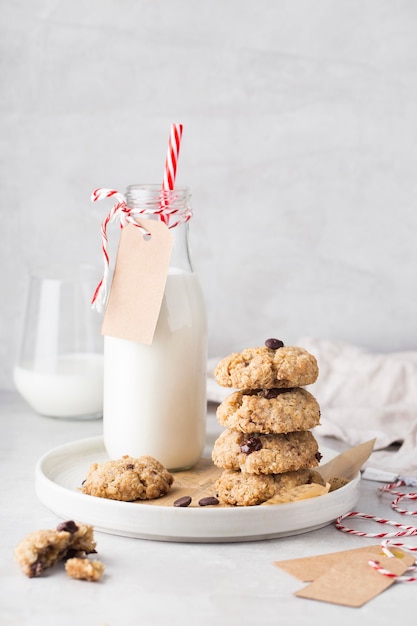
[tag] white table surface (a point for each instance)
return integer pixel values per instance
(157, 583)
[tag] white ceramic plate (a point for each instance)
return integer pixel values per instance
(60, 472)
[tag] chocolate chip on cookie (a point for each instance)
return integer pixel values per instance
(251, 444)
(274, 344)
(70, 526)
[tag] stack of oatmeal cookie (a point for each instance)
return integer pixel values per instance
(268, 446)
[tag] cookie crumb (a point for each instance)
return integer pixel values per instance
(83, 569)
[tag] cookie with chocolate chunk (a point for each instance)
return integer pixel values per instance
(42, 549)
(267, 367)
(241, 489)
(269, 411)
(266, 454)
(128, 479)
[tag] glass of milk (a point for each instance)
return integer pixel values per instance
(59, 370)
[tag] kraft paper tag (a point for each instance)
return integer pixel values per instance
(346, 577)
(138, 283)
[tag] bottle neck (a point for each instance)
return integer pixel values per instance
(180, 255)
(174, 208)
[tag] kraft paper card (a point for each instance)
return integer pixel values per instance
(346, 577)
(138, 282)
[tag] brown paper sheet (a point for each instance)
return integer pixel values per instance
(348, 463)
(197, 482)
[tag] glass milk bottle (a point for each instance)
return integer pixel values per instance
(155, 395)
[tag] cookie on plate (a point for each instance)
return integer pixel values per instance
(264, 368)
(128, 479)
(269, 411)
(42, 549)
(266, 454)
(241, 489)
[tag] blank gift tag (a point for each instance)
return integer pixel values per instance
(138, 282)
(310, 568)
(346, 577)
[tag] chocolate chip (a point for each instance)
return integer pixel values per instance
(130, 466)
(251, 444)
(70, 554)
(183, 501)
(318, 456)
(209, 500)
(36, 568)
(69, 526)
(274, 344)
(269, 394)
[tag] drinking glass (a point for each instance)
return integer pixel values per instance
(59, 370)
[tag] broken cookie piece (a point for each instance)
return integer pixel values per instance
(42, 549)
(83, 569)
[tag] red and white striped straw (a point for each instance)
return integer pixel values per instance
(171, 161)
(174, 144)
(127, 214)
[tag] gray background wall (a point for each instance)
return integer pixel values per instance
(299, 145)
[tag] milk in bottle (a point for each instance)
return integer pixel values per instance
(155, 395)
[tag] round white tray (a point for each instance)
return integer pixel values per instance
(60, 472)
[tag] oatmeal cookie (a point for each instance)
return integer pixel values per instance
(128, 479)
(83, 569)
(44, 548)
(269, 411)
(264, 368)
(266, 454)
(242, 489)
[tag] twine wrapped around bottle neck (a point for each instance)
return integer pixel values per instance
(163, 205)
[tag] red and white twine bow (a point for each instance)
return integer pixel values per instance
(402, 530)
(128, 215)
(120, 211)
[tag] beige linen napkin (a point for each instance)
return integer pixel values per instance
(364, 395)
